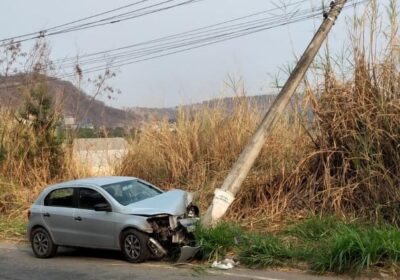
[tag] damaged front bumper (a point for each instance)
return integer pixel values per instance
(171, 219)
(172, 234)
(188, 252)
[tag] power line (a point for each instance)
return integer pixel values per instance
(73, 22)
(117, 19)
(192, 45)
(190, 31)
(193, 38)
(198, 33)
(141, 54)
(101, 22)
(184, 37)
(181, 45)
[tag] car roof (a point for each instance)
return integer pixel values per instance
(92, 181)
(97, 181)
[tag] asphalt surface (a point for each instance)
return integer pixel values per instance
(18, 263)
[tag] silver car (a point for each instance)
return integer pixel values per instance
(117, 213)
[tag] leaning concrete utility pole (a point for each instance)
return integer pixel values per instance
(226, 194)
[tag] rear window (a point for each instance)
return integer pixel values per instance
(60, 198)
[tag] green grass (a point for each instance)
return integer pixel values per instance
(216, 242)
(14, 229)
(324, 244)
(314, 229)
(264, 250)
(352, 249)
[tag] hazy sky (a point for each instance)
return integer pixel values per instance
(181, 78)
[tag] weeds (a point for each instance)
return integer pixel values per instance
(335, 152)
(197, 152)
(352, 249)
(218, 241)
(264, 250)
(314, 228)
(13, 229)
(324, 244)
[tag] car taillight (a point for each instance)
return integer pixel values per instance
(29, 214)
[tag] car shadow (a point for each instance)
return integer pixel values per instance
(85, 253)
(76, 252)
(66, 252)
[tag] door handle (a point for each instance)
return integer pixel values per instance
(78, 219)
(46, 215)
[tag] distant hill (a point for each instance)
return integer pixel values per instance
(87, 111)
(260, 103)
(149, 114)
(72, 102)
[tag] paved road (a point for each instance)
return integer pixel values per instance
(18, 263)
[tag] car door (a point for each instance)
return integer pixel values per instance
(58, 215)
(96, 229)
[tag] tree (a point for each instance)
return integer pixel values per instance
(40, 115)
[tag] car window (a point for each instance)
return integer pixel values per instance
(60, 198)
(88, 198)
(131, 191)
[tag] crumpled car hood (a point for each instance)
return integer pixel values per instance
(173, 203)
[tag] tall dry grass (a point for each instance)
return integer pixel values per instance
(27, 166)
(356, 166)
(35, 150)
(197, 152)
(342, 159)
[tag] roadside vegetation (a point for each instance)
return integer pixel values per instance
(34, 152)
(317, 244)
(335, 151)
(13, 229)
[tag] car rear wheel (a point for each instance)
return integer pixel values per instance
(134, 246)
(42, 245)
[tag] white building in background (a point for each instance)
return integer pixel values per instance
(100, 155)
(69, 121)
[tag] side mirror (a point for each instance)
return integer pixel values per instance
(103, 207)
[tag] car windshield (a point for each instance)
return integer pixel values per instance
(131, 191)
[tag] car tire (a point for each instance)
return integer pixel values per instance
(134, 246)
(42, 245)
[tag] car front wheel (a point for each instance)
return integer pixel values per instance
(134, 246)
(42, 245)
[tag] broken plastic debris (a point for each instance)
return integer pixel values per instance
(188, 253)
(225, 264)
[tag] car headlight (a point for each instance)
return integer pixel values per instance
(192, 211)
